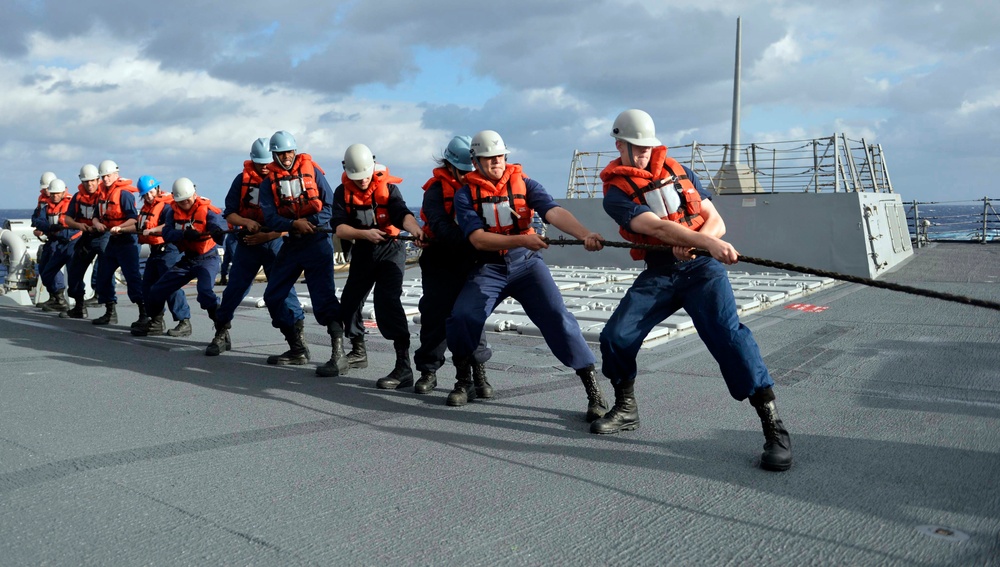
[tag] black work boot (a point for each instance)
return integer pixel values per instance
(624, 415)
(463, 391)
(57, 303)
(110, 315)
(221, 342)
(427, 382)
(777, 455)
(358, 357)
(596, 406)
(79, 310)
(483, 388)
(402, 375)
(337, 365)
(143, 319)
(297, 353)
(156, 326)
(183, 329)
(152, 327)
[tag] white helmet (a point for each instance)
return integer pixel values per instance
(57, 186)
(47, 178)
(635, 127)
(182, 189)
(359, 163)
(107, 166)
(488, 143)
(89, 172)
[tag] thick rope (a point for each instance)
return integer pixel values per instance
(965, 300)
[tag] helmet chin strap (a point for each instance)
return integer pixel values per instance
(631, 156)
(278, 161)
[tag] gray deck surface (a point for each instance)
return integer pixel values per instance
(116, 450)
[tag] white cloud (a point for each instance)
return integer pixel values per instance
(986, 102)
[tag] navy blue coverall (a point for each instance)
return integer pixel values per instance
(308, 253)
(59, 249)
(204, 267)
(521, 274)
(247, 261)
(701, 287)
(121, 250)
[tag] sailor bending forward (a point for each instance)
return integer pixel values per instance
(655, 200)
(495, 210)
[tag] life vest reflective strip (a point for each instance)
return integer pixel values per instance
(448, 187)
(111, 211)
(502, 206)
(86, 206)
(149, 218)
(375, 199)
(250, 194)
(664, 173)
(55, 213)
(197, 218)
(296, 194)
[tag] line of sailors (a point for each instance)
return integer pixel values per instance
(479, 248)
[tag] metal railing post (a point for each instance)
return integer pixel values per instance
(986, 206)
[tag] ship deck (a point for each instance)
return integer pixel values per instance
(124, 450)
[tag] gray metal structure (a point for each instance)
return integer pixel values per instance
(831, 204)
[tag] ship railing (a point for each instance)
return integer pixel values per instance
(831, 164)
(954, 221)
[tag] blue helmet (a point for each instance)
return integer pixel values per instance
(282, 141)
(146, 184)
(459, 153)
(259, 152)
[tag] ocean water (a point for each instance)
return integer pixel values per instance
(956, 222)
(6, 214)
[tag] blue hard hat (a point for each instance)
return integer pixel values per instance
(260, 152)
(146, 184)
(459, 153)
(282, 141)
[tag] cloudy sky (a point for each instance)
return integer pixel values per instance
(182, 88)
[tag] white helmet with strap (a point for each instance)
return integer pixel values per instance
(359, 162)
(635, 127)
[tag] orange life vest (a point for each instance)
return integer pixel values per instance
(375, 200)
(502, 205)
(87, 206)
(43, 197)
(250, 194)
(149, 218)
(296, 194)
(448, 187)
(197, 218)
(56, 215)
(111, 210)
(664, 174)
